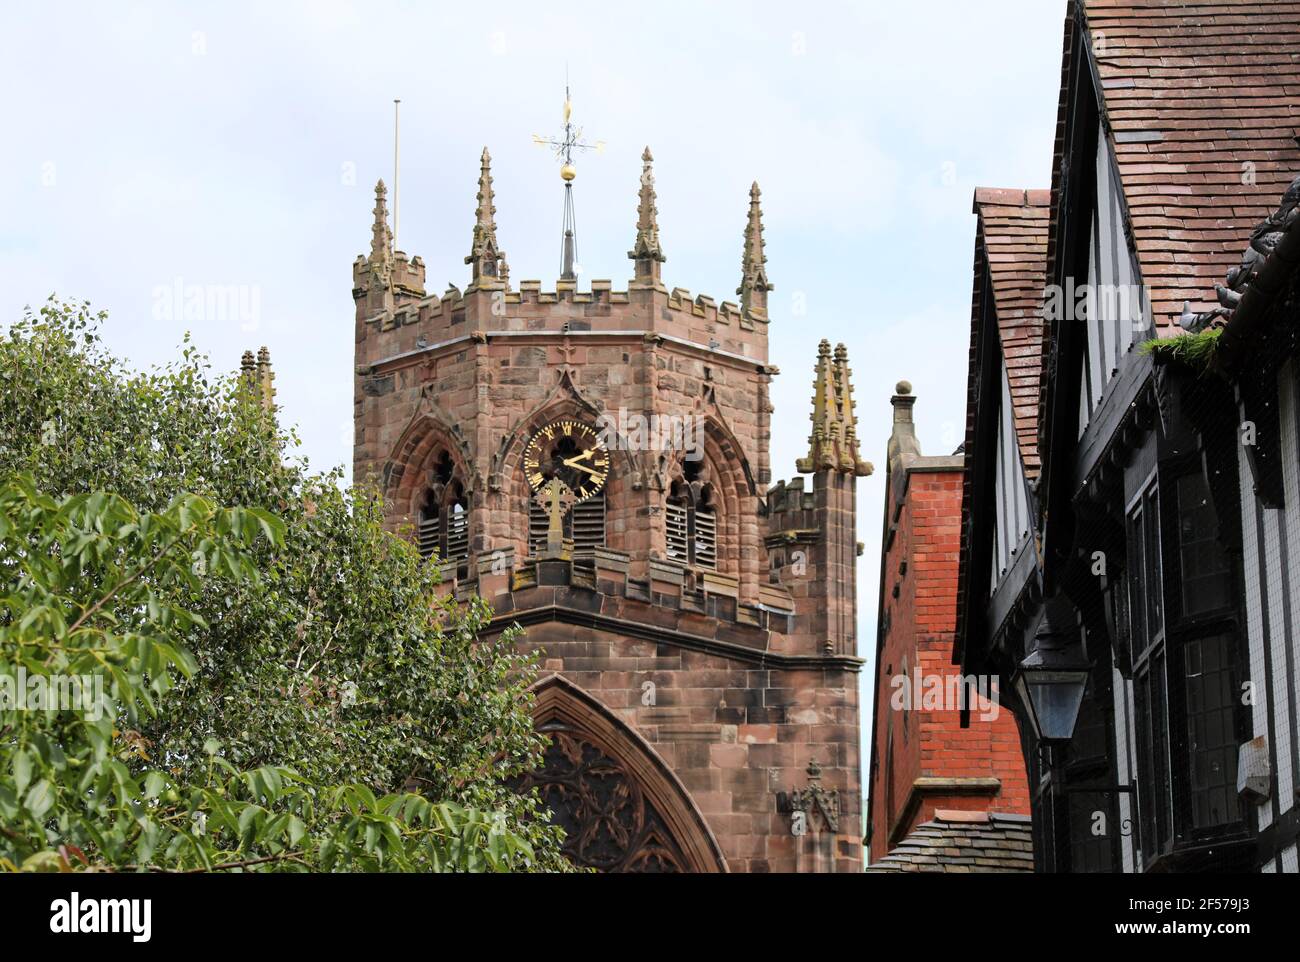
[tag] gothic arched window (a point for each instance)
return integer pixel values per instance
(584, 523)
(621, 808)
(691, 519)
(444, 515)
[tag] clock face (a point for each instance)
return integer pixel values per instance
(571, 451)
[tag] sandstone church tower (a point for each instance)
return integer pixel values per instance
(595, 464)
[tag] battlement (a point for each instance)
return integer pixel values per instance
(389, 286)
(406, 275)
(792, 515)
(444, 308)
(431, 308)
(787, 496)
(707, 308)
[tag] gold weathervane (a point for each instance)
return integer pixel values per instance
(564, 146)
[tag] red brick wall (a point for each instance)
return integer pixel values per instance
(927, 743)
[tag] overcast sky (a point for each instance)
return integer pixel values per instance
(237, 144)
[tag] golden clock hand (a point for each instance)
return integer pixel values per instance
(570, 463)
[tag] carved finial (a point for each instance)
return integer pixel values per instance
(381, 241)
(488, 260)
(833, 443)
(903, 443)
(265, 377)
(646, 251)
(256, 378)
(754, 284)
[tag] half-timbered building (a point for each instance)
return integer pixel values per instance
(1141, 608)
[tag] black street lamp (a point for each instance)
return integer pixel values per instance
(1051, 681)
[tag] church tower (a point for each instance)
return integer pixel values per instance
(594, 463)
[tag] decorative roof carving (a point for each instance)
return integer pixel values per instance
(754, 285)
(647, 251)
(486, 257)
(802, 803)
(381, 242)
(833, 444)
(258, 378)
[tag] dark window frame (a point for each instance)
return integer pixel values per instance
(1186, 633)
(1164, 639)
(444, 495)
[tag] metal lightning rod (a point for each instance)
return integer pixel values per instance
(397, 107)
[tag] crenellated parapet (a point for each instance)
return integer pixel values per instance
(704, 306)
(389, 287)
(791, 514)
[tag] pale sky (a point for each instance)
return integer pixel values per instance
(237, 145)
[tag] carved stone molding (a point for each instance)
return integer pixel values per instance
(622, 809)
(801, 804)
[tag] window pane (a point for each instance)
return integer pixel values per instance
(587, 522)
(1212, 743)
(1154, 583)
(675, 524)
(1155, 803)
(1204, 562)
(706, 539)
(1160, 751)
(1146, 777)
(457, 534)
(1137, 606)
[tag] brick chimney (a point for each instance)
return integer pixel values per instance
(922, 760)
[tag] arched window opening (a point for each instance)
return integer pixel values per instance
(691, 519)
(444, 516)
(621, 807)
(584, 523)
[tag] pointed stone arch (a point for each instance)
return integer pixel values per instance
(735, 495)
(429, 429)
(508, 487)
(623, 809)
(728, 446)
(405, 478)
(565, 400)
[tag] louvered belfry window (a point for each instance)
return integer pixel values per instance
(678, 527)
(444, 518)
(691, 521)
(585, 524)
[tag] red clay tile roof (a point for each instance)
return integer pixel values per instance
(1203, 101)
(1012, 235)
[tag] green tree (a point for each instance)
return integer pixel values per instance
(287, 652)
